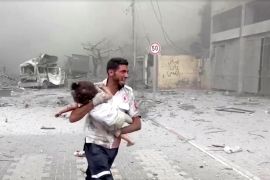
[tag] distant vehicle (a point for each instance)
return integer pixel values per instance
(41, 72)
(77, 66)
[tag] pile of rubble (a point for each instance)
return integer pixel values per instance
(7, 81)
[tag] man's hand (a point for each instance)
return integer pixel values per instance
(101, 97)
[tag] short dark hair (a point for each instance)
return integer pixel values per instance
(114, 63)
(83, 91)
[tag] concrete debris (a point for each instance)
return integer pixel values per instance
(227, 168)
(187, 107)
(5, 92)
(226, 93)
(209, 92)
(7, 81)
(267, 111)
(236, 110)
(200, 120)
(250, 133)
(61, 102)
(5, 104)
(219, 146)
(172, 114)
(47, 128)
(230, 150)
(246, 103)
(214, 130)
(167, 92)
(26, 105)
(218, 131)
(249, 151)
(198, 112)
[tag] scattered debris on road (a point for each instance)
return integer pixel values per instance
(200, 120)
(43, 127)
(236, 110)
(219, 146)
(250, 133)
(187, 107)
(231, 150)
(5, 104)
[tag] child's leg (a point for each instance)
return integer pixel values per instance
(126, 138)
(121, 119)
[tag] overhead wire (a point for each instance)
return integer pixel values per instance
(144, 28)
(164, 32)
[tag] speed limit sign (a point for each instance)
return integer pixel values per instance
(155, 48)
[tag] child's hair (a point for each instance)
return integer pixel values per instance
(83, 91)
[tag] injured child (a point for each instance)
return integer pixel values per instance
(106, 113)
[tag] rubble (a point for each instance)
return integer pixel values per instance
(44, 127)
(7, 81)
(236, 110)
(234, 149)
(5, 92)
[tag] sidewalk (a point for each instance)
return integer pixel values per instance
(193, 115)
(162, 157)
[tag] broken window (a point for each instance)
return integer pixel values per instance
(54, 71)
(29, 70)
(41, 70)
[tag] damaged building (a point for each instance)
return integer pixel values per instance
(240, 44)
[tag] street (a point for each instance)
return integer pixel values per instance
(178, 129)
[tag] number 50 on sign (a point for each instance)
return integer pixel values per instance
(155, 48)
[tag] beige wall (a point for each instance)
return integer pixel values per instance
(178, 72)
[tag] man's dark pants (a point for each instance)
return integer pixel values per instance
(100, 160)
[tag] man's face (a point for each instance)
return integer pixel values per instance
(120, 75)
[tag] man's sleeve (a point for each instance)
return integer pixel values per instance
(134, 109)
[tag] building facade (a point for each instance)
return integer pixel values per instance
(240, 46)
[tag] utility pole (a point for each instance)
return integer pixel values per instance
(133, 34)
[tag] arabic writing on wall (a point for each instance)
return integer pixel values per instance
(177, 71)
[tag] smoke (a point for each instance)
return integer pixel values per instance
(59, 27)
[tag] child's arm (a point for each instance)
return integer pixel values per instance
(68, 108)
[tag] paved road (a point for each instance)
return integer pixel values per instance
(157, 155)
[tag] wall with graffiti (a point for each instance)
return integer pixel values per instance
(178, 72)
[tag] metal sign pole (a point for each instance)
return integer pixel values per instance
(155, 50)
(154, 76)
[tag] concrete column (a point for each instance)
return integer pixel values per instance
(241, 52)
(212, 66)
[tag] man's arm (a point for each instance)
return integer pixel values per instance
(134, 126)
(80, 112)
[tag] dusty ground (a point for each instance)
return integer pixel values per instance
(193, 114)
(190, 114)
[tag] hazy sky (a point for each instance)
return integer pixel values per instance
(29, 28)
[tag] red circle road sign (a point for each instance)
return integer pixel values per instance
(155, 48)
